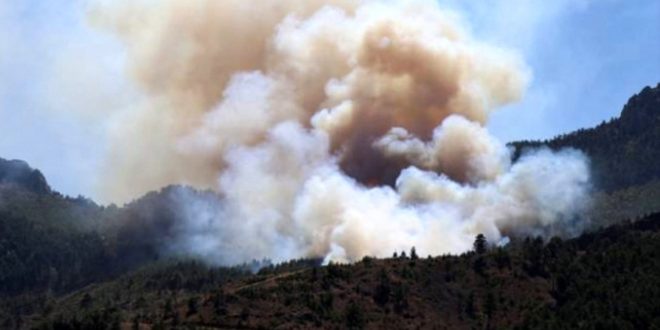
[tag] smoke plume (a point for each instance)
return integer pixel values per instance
(333, 129)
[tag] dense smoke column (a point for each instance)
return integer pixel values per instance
(332, 129)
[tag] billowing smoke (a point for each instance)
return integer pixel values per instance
(332, 129)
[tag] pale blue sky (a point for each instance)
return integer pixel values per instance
(587, 57)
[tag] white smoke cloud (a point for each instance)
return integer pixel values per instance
(285, 199)
(332, 129)
(459, 148)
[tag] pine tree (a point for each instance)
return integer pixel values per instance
(413, 254)
(480, 244)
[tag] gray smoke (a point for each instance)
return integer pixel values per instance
(333, 129)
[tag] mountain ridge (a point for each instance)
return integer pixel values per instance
(74, 264)
(20, 173)
(624, 151)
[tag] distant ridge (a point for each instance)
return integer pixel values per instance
(67, 263)
(19, 173)
(624, 151)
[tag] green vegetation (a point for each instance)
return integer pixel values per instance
(19, 173)
(609, 279)
(624, 151)
(628, 203)
(67, 263)
(625, 158)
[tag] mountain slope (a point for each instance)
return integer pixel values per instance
(625, 159)
(624, 151)
(54, 243)
(609, 279)
(70, 263)
(19, 173)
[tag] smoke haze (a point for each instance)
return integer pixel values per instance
(332, 129)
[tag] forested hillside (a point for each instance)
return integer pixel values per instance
(608, 279)
(19, 173)
(624, 151)
(50, 243)
(625, 159)
(68, 263)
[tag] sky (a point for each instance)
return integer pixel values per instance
(587, 58)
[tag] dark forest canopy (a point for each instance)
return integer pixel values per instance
(624, 151)
(69, 263)
(20, 173)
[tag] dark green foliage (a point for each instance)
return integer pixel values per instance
(534, 257)
(490, 305)
(400, 297)
(354, 316)
(17, 172)
(629, 203)
(413, 254)
(266, 267)
(605, 279)
(67, 263)
(479, 265)
(42, 256)
(181, 275)
(624, 152)
(52, 243)
(384, 288)
(470, 309)
(337, 272)
(624, 156)
(86, 301)
(480, 244)
(502, 258)
(192, 306)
